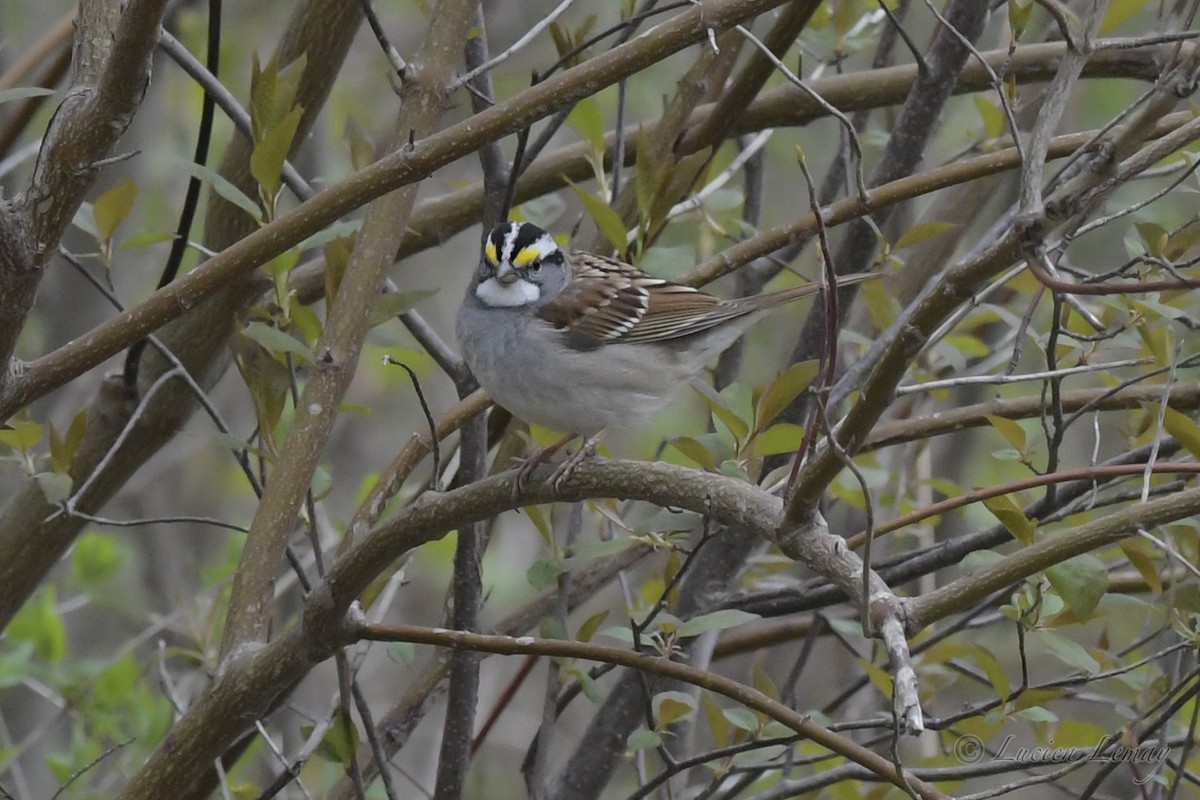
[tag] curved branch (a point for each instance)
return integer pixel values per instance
(656, 665)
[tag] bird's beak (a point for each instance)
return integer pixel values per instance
(505, 274)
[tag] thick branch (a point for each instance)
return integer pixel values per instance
(1051, 550)
(422, 101)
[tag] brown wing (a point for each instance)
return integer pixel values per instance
(610, 300)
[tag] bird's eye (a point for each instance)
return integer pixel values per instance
(535, 268)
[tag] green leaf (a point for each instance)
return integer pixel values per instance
(1081, 582)
(273, 92)
(114, 687)
(737, 426)
(1141, 555)
(362, 146)
(1038, 714)
(995, 673)
(715, 621)
(992, 116)
(38, 623)
(1012, 432)
(742, 718)
(1012, 518)
(402, 652)
(590, 625)
(670, 707)
(1154, 236)
(225, 189)
(620, 633)
(393, 304)
(783, 437)
(542, 573)
(55, 486)
(321, 484)
(783, 390)
(718, 725)
(23, 92)
(607, 220)
(270, 151)
(1118, 12)
(643, 739)
(586, 551)
(696, 451)
(141, 239)
(1184, 429)
(23, 435)
(922, 232)
(586, 120)
(278, 341)
(340, 743)
(1069, 652)
(113, 207)
(1018, 17)
(591, 689)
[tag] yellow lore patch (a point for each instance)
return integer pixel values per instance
(489, 252)
(526, 256)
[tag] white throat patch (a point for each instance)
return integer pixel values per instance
(518, 293)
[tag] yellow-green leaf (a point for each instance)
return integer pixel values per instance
(718, 725)
(22, 436)
(270, 151)
(783, 390)
(607, 220)
(278, 341)
(1012, 518)
(586, 120)
(590, 625)
(991, 667)
(1011, 430)
(1118, 12)
(992, 116)
(670, 707)
(1081, 582)
(922, 232)
(783, 437)
(113, 207)
(1184, 429)
(1018, 17)
(1141, 556)
(737, 426)
(697, 452)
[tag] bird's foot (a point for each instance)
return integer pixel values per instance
(569, 466)
(526, 465)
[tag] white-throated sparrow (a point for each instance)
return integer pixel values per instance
(580, 343)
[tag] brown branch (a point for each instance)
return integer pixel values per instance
(404, 166)
(438, 218)
(349, 318)
(889, 360)
(656, 665)
(927, 609)
(888, 434)
(1010, 487)
(112, 67)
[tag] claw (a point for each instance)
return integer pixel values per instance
(569, 466)
(526, 466)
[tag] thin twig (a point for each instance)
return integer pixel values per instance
(393, 57)
(540, 26)
(433, 437)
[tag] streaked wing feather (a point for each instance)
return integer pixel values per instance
(609, 301)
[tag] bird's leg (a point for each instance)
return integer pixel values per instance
(585, 452)
(530, 462)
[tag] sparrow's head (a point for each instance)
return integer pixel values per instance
(522, 265)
